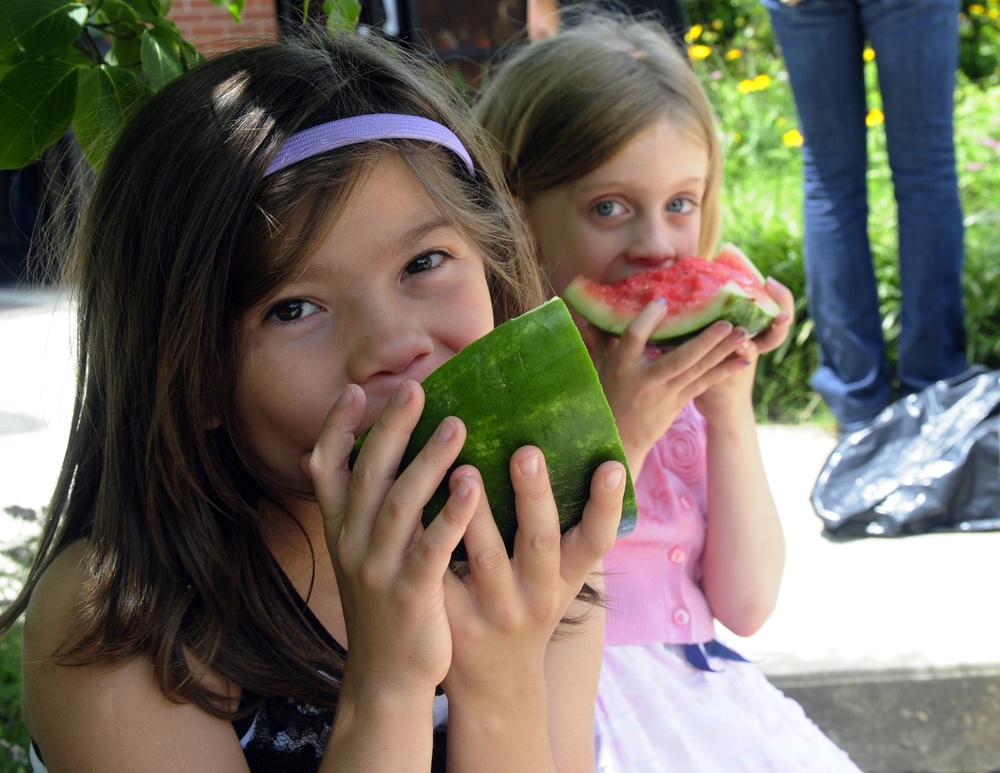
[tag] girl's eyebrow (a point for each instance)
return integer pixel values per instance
(581, 187)
(408, 241)
(418, 233)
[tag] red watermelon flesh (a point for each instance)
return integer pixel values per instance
(698, 292)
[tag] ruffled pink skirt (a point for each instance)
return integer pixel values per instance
(657, 713)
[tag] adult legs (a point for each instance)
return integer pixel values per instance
(916, 51)
(822, 43)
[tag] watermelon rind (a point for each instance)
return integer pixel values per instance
(530, 381)
(731, 302)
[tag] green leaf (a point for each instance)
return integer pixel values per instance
(38, 29)
(147, 10)
(342, 14)
(235, 7)
(189, 55)
(36, 101)
(91, 132)
(161, 60)
(108, 96)
(123, 26)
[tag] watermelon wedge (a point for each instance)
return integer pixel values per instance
(698, 292)
(530, 381)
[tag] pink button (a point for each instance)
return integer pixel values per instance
(681, 617)
(686, 502)
(677, 555)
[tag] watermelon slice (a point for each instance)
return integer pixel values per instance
(698, 292)
(530, 381)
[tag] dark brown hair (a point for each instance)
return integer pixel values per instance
(181, 235)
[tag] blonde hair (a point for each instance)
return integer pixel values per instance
(563, 106)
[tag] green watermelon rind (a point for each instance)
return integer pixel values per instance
(530, 381)
(731, 302)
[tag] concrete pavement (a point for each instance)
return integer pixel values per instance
(890, 645)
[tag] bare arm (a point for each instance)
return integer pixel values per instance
(744, 555)
(107, 718)
(572, 670)
(543, 19)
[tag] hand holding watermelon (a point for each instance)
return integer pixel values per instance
(705, 357)
(697, 293)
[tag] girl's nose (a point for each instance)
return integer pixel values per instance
(391, 344)
(652, 244)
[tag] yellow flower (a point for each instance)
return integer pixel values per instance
(976, 9)
(699, 52)
(694, 33)
(733, 53)
(868, 54)
(993, 13)
(716, 24)
(874, 117)
(759, 83)
(737, 136)
(792, 138)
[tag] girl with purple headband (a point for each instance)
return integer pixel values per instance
(283, 243)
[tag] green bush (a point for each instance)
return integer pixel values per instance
(13, 735)
(734, 52)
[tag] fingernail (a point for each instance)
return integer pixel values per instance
(723, 326)
(402, 394)
(741, 334)
(346, 397)
(529, 467)
(613, 478)
(463, 488)
(446, 431)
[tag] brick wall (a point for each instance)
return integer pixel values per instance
(211, 28)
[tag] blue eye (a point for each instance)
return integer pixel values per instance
(425, 262)
(291, 310)
(681, 205)
(608, 208)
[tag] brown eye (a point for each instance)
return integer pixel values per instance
(425, 262)
(291, 310)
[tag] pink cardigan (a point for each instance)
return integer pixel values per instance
(652, 575)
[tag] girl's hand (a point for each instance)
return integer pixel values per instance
(775, 335)
(390, 571)
(503, 612)
(647, 389)
(734, 393)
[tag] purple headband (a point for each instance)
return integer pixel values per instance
(361, 128)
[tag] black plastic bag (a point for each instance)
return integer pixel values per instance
(930, 462)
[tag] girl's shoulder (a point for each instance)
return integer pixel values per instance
(55, 602)
(86, 715)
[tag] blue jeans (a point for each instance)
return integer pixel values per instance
(916, 53)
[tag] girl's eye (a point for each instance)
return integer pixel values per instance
(681, 205)
(608, 208)
(291, 310)
(425, 262)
